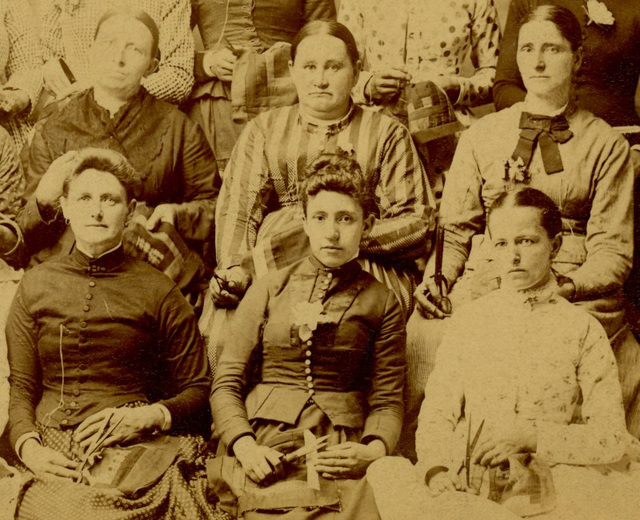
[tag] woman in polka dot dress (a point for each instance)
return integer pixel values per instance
(426, 40)
(403, 41)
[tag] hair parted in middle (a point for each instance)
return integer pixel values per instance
(550, 216)
(330, 28)
(338, 172)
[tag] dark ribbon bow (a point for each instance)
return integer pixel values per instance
(547, 132)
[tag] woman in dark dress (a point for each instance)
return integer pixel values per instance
(317, 349)
(90, 335)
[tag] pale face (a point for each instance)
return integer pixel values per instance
(546, 61)
(335, 225)
(121, 56)
(97, 209)
(323, 76)
(521, 247)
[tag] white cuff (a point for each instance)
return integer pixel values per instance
(24, 438)
(166, 423)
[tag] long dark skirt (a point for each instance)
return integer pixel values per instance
(292, 498)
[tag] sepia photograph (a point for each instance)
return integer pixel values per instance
(319, 259)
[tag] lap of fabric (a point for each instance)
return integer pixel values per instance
(581, 492)
(181, 493)
(291, 498)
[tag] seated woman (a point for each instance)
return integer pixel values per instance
(322, 345)
(179, 174)
(510, 365)
(576, 159)
(258, 221)
(68, 29)
(90, 335)
(227, 29)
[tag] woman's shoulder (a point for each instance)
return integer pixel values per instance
(503, 121)
(585, 124)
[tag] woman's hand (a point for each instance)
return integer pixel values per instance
(133, 424)
(14, 101)
(445, 481)
(219, 64)
(450, 85)
(431, 301)
(348, 459)
(257, 461)
(385, 84)
(496, 449)
(49, 188)
(42, 460)
(567, 289)
(162, 213)
(229, 285)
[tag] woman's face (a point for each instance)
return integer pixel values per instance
(121, 55)
(335, 225)
(546, 61)
(323, 76)
(97, 209)
(521, 247)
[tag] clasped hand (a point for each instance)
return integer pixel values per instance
(229, 285)
(493, 451)
(133, 423)
(220, 63)
(432, 302)
(348, 460)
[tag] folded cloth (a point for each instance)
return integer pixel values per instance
(261, 81)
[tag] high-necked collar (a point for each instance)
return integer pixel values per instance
(532, 298)
(568, 110)
(108, 262)
(130, 109)
(314, 126)
(349, 269)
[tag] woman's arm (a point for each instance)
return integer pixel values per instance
(24, 365)
(485, 38)
(405, 201)
(508, 88)
(185, 362)
(230, 384)
(174, 78)
(386, 405)
(609, 242)
(461, 210)
(603, 437)
(243, 197)
(25, 55)
(200, 184)
(442, 407)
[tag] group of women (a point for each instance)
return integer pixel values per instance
(321, 346)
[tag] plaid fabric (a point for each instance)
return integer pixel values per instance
(164, 249)
(262, 81)
(272, 156)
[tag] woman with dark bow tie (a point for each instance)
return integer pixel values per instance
(578, 160)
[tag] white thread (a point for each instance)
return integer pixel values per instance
(224, 26)
(47, 418)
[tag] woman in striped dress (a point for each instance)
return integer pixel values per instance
(259, 222)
